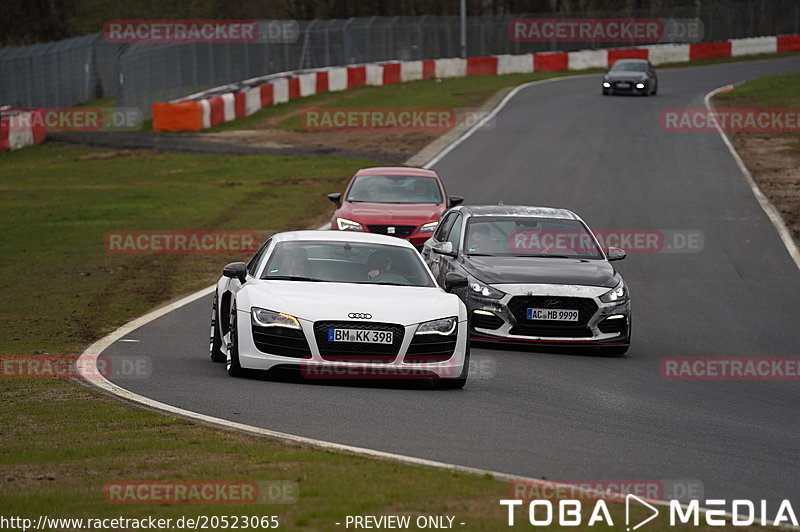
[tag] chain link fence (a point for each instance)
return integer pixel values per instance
(83, 69)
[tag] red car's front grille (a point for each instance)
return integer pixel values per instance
(399, 230)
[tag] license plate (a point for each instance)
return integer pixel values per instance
(624, 85)
(363, 336)
(552, 314)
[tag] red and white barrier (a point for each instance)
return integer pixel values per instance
(20, 128)
(199, 112)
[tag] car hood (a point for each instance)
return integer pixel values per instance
(392, 213)
(515, 270)
(625, 76)
(314, 301)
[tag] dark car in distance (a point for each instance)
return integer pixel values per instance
(631, 76)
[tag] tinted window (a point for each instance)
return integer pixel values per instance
(455, 233)
(347, 262)
(252, 266)
(444, 226)
(395, 189)
(629, 66)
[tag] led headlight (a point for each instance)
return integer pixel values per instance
(428, 227)
(606, 85)
(269, 318)
(482, 289)
(348, 225)
(618, 293)
(640, 85)
(443, 327)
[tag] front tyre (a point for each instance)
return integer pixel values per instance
(461, 380)
(232, 362)
(215, 340)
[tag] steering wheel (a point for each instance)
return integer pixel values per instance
(389, 276)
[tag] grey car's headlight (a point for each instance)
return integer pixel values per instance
(444, 326)
(606, 84)
(269, 318)
(640, 85)
(483, 289)
(348, 225)
(618, 293)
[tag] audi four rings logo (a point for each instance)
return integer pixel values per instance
(359, 316)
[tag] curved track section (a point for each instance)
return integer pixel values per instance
(574, 416)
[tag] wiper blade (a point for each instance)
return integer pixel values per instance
(293, 278)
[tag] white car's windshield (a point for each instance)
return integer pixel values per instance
(530, 237)
(395, 189)
(346, 262)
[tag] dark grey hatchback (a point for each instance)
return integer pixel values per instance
(531, 275)
(631, 76)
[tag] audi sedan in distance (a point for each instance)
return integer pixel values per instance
(339, 305)
(395, 201)
(631, 76)
(533, 275)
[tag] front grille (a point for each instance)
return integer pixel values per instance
(357, 351)
(281, 341)
(519, 306)
(431, 348)
(399, 230)
(556, 331)
(617, 325)
(483, 321)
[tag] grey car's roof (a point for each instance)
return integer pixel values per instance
(517, 210)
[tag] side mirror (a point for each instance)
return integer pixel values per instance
(236, 270)
(454, 280)
(336, 198)
(455, 200)
(443, 248)
(616, 254)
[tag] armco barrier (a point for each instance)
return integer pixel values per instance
(228, 103)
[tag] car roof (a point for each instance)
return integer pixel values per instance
(517, 210)
(340, 236)
(397, 170)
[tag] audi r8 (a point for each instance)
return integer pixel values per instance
(533, 275)
(395, 201)
(631, 76)
(341, 304)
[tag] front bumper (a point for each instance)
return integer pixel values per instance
(504, 320)
(626, 87)
(306, 350)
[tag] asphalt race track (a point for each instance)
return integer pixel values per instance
(569, 416)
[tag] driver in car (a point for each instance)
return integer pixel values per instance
(378, 262)
(480, 240)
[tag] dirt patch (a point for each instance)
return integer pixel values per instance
(774, 162)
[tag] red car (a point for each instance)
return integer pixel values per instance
(397, 201)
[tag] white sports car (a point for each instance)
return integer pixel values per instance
(339, 305)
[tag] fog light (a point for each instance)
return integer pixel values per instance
(606, 85)
(640, 85)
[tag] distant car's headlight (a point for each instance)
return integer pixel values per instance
(640, 85)
(618, 293)
(429, 227)
(348, 225)
(482, 289)
(269, 318)
(444, 326)
(606, 84)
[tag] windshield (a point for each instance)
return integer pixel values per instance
(530, 237)
(395, 189)
(346, 262)
(629, 66)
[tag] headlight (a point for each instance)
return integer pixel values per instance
(348, 225)
(429, 227)
(618, 293)
(268, 318)
(482, 289)
(607, 85)
(444, 326)
(640, 85)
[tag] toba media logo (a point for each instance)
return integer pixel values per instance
(715, 512)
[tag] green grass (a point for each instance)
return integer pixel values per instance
(777, 92)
